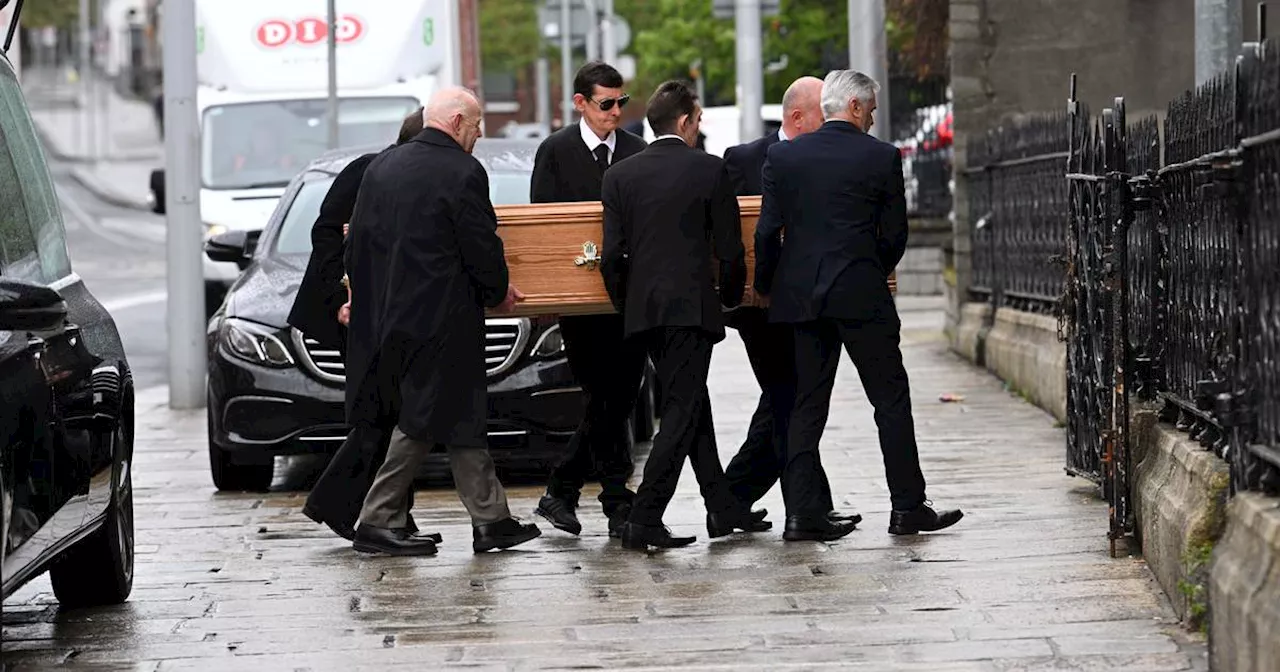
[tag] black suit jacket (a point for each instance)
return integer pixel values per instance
(667, 212)
(745, 162)
(425, 260)
(565, 171)
(320, 294)
(839, 194)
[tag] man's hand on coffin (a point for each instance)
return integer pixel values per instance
(508, 304)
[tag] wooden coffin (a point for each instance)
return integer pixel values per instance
(544, 244)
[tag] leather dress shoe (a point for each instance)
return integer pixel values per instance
(640, 537)
(922, 519)
(340, 529)
(724, 523)
(836, 517)
(502, 535)
(370, 539)
(560, 513)
(413, 533)
(618, 520)
(802, 528)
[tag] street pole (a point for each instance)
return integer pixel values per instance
(566, 63)
(185, 306)
(868, 54)
(332, 107)
(750, 69)
(1219, 36)
(608, 41)
(544, 91)
(593, 29)
(82, 71)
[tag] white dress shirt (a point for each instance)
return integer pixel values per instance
(782, 135)
(589, 136)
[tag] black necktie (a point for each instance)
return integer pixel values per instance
(602, 156)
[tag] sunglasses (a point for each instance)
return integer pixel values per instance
(608, 103)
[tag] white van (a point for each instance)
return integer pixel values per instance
(263, 89)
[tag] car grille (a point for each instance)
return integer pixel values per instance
(505, 339)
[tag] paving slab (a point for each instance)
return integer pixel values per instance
(243, 581)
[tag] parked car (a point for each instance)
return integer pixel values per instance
(272, 391)
(66, 397)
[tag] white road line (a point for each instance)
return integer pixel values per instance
(134, 300)
(119, 236)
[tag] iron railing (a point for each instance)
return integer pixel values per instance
(1171, 241)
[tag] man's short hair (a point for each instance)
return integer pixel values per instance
(410, 127)
(669, 102)
(593, 74)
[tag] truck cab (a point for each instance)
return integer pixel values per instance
(262, 96)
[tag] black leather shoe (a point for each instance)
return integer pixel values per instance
(641, 537)
(411, 526)
(392, 542)
(502, 534)
(723, 524)
(836, 517)
(560, 513)
(800, 528)
(618, 521)
(340, 529)
(407, 532)
(922, 519)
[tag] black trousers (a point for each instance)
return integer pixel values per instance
(874, 348)
(682, 358)
(759, 462)
(610, 370)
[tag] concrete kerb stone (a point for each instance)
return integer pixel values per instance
(85, 176)
(1244, 587)
(1180, 497)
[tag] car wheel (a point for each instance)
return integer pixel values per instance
(99, 569)
(229, 474)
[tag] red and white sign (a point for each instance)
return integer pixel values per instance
(307, 31)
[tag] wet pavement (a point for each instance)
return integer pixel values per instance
(1024, 582)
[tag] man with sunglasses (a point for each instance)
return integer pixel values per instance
(569, 167)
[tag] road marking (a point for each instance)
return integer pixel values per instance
(120, 236)
(134, 300)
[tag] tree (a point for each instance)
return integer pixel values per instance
(57, 13)
(509, 36)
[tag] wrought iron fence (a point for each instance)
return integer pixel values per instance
(1018, 211)
(1171, 292)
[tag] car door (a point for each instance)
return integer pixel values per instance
(51, 469)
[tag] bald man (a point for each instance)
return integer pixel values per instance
(425, 261)
(770, 348)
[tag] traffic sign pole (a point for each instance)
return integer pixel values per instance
(332, 106)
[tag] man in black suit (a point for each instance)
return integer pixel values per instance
(568, 167)
(425, 260)
(770, 347)
(667, 212)
(839, 194)
(336, 497)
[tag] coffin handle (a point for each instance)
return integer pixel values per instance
(590, 257)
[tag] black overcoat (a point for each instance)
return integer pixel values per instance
(425, 260)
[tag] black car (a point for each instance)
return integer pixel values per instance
(272, 391)
(66, 397)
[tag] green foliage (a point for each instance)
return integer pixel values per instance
(59, 13)
(509, 37)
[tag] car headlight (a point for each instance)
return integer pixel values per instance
(211, 230)
(255, 343)
(550, 344)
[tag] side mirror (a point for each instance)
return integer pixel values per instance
(29, 307)
(157, 191)
(234, 246)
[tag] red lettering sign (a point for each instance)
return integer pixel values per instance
(307, 31)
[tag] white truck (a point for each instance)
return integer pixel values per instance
(263, 88)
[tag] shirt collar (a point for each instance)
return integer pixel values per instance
(669, 136)
(782, 135)
(589, 136)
